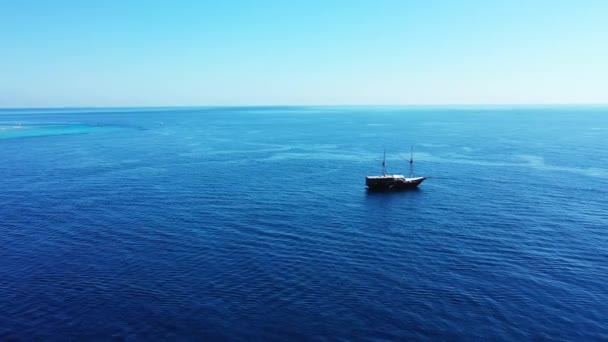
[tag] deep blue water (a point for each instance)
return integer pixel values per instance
(254, 223)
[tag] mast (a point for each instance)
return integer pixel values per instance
(412, 161)
(384, 163)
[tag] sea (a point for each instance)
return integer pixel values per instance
(254, 223)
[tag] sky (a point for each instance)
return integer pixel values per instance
(63, 53)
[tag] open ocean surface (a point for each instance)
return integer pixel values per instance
(254, 223)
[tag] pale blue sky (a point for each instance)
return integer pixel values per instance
(191, 52)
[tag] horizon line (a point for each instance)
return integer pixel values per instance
(446, 105)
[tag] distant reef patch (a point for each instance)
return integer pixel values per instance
(24, 130)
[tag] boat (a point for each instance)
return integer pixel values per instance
(387, 182)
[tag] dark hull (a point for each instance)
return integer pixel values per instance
(392, 185)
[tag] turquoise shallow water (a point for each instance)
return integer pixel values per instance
(254, 223)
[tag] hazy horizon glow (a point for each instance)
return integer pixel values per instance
(191, 53)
